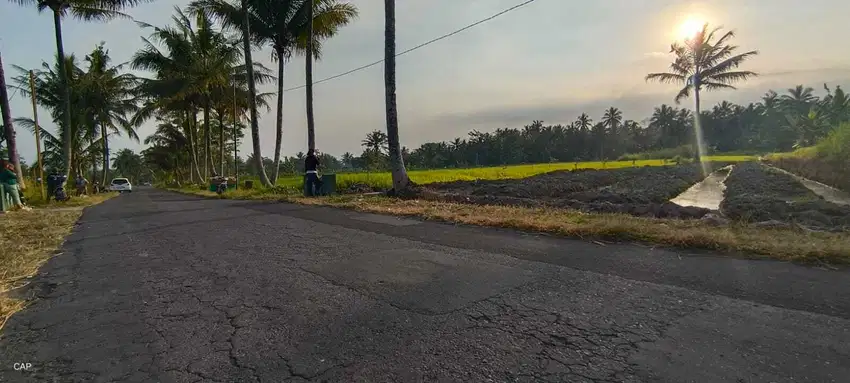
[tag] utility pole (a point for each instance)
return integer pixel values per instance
(37, 135)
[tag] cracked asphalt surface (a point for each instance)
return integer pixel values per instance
(160, 287)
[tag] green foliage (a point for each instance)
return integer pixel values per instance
(836, 146)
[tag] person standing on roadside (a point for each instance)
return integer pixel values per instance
(81, 184)
(311, 169)
(9, 179)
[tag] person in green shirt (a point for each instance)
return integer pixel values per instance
(9, 179)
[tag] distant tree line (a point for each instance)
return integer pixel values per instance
(777, 123)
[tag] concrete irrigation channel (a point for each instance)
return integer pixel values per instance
(828, 193)
(708, 193)
(758, 193)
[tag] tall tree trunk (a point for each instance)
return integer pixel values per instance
(252, 96)
(103, 137)
(65, 94)
(9, 129)
(399, 173)
(207, 143)
(279, 127)
(194, 169)
(311, 122)
(221, 141)
(697, 126)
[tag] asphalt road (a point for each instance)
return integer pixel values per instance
(160, 287)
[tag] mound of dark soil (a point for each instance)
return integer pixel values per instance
(627, 185)
(755, 193)
(643, 191)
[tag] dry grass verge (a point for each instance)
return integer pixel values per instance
(749, 241)
(28, 239)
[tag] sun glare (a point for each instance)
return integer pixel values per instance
(689, 28)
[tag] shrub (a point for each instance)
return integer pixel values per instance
(836, 146)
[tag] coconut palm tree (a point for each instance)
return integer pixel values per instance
(129, 164)
(86, 10)
(48, 86)
(799, 100)
(703, 62)
(400, 179)
(283, 26)
(198, 69)
(111, 97)
(8, 128)
(612, 119)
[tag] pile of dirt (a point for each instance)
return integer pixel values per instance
(643, 191)
(755, 193)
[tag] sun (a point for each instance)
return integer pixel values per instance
(689, 28)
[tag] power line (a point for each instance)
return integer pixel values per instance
(416, 47)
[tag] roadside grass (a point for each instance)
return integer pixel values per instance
(738, 239)
(384, 179)
(28, 239)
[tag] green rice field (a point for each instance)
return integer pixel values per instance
(384, 180)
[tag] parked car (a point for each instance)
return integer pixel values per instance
(121, 185)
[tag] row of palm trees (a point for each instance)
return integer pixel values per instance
(197, 68)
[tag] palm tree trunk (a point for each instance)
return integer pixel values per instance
(9, 129)
(221, 141)
(252, 95)
(697, 126)
(105, 154)
(399, 173)
(279, 127)
(66, 94)
(194, 169)
(207, 142)
(311, 121)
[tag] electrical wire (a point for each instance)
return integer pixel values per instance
(482, 21)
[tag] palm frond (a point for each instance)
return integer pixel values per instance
(667, 78)
(683, 94)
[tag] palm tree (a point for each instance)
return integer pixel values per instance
(129, 164)
(375, 142)
(48, 86)
(8, 128)
(400, 179)
(663, 124)
(612, 119)
(283, 26)
(111, 98)
(86, 10)
(583, 124)
(199, 69)
(798, 102)
(702, 62)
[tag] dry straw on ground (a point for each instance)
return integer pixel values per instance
(30, 238)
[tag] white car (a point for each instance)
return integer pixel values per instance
(121, 185)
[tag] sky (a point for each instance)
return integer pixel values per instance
(550, 60)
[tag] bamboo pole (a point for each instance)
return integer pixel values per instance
(37, 135)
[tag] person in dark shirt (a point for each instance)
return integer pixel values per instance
(311, 168)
